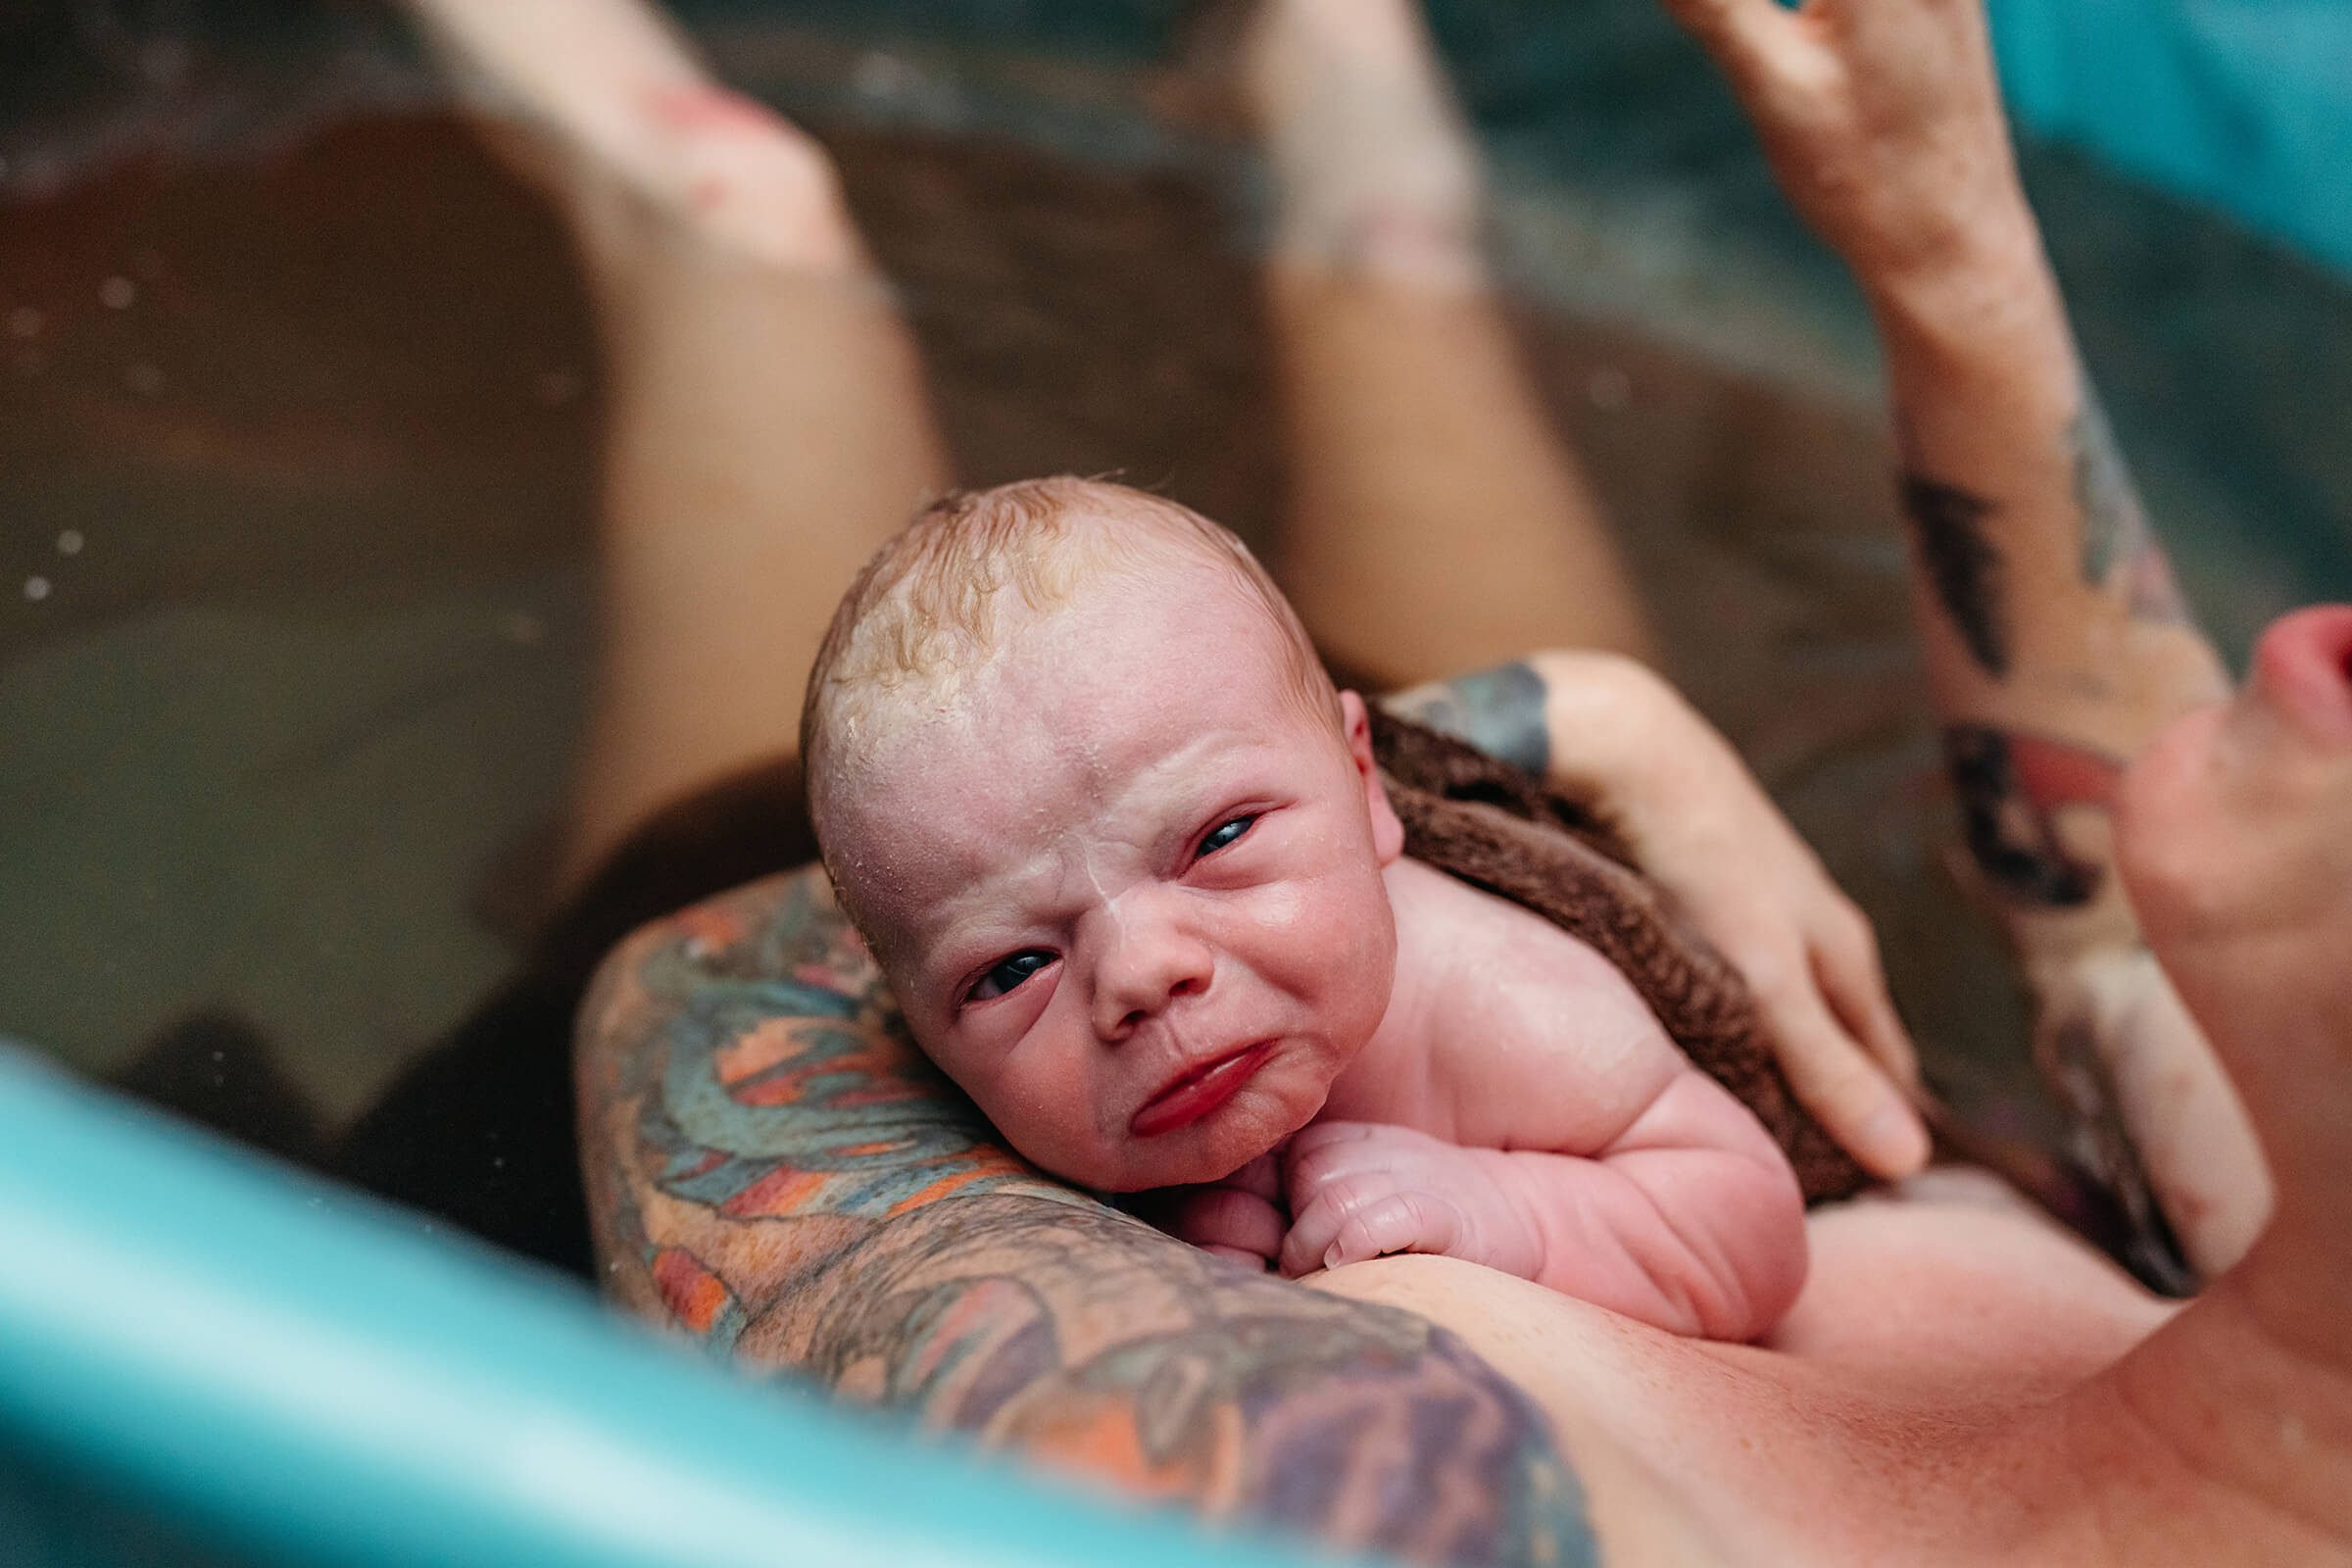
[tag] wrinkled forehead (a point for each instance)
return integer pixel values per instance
(1077, 710)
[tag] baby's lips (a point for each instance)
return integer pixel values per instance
(2303, 665)
(1193, 1095)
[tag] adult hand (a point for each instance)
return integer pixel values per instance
(1359, 1189)
(1702, 828)
(1882, 122)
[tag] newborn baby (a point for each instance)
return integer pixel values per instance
(1121, 849)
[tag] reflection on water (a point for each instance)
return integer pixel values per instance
(298, 457)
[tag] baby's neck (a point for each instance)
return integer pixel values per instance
(1393, 1067)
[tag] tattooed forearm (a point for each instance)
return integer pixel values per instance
(2012, 788)
(1499, 710)
(2120, 553)
(1962, 566)
(777, 1173)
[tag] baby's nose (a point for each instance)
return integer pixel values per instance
(1147, 962)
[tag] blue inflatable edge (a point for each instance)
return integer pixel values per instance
(2244, 105)
(293, 1373)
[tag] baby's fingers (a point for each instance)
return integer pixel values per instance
(1335, 1231)
(1228, 1221)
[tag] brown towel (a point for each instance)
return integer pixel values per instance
(1497, 828)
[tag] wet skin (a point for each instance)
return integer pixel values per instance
(1968, 1385)
(2237, 844)
(1145, 887)
(1174, 930)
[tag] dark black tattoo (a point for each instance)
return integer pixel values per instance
(1499, 710)
(1961, 564)
(2118, 1207)
(2010, 789)
(2119, 551)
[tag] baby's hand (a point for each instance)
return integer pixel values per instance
(1359, 1189)
(1239, 1218)
(1882, 122)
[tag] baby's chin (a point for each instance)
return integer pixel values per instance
(1250, 1124)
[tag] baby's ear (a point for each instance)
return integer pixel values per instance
(1387, 833)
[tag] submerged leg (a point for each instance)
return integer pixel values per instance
(766, 423)
(1437, 524)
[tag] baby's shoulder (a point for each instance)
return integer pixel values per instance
(1494, 992)
(1446, 923)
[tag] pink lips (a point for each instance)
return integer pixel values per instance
(1198, 1091)
(2305, 660)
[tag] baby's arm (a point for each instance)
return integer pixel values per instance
(1607, 728)
(1688, 1219)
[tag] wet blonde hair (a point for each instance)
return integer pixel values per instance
(940, 598)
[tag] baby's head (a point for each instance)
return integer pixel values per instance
(1114, 837)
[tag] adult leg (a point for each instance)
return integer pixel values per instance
(765, 429)
(1437, 524)
(766, 424)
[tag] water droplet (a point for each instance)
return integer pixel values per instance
(117, 292)
(24, 321)
(1610, 389)
(144, 379)
(69, 543)
(37, 589)
(557, 387)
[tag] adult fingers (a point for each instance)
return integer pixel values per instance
(1846, 963)
(1749, 38)
(1841, 1084)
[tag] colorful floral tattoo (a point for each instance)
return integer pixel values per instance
(776, 1172)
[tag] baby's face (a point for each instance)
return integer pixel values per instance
(1129, 894)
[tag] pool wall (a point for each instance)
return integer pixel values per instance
(208, 1357)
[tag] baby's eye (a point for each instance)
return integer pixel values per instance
(1224, 835)
(1008, 976)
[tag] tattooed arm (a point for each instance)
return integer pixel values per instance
(2056, 645)
(775, 1172)
(1609, 730)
